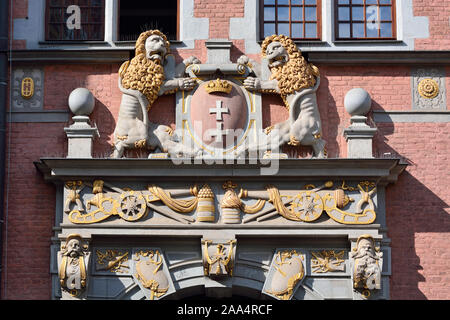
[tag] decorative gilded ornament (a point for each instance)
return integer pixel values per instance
(327, 261)
(287, 271)
(149, 272)
(220, 262)
(218, 86)
(27, 88)
(205, 206)
(112, 260)
(428, 88)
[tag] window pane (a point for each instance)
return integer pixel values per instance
(283, 2)
(344, 13)
(269, 29)
(269, 13)
(372, 30)
(310, 14)
(385, 13)
(269, 1)
(311, 30)
(310, 1)
(386, 30)
(297, 14)
(283, 14)
(358, 13)
(358, 30)
(283, 28)
(297, 30)
(344, 30)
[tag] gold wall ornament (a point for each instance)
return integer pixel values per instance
(232, 204)
(112, 260)
(27, 88)
(287, 272)
(221, 262)
(205, 206)
(428, 88)
(327, 261)
(149, 272)
(73, 260)
(367, 265)
(73, 189)
(218, 86)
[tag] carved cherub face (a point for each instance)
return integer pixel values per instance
(276, 54)
(155, 48)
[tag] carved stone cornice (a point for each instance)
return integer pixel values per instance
(380, 170)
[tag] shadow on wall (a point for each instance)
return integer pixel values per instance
(417, 218)
(104, 120)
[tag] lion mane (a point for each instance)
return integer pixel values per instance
(141, 73)
(297, 73)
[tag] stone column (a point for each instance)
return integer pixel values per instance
(359, 135)
(81, 134)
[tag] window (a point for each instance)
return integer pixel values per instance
(365, 19)
(298, 19)
(137, 17)
(75, 20)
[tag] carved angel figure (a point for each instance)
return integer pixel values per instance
(142, 80)
(296, 81)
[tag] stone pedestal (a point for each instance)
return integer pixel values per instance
(359, 138)
(80, 137)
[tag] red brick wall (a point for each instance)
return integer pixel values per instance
(438, 13)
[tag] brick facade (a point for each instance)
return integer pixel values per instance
(418, 214)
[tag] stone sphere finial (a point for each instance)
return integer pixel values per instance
(357, 102)
(81, 102)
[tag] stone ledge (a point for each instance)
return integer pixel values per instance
(60, 169)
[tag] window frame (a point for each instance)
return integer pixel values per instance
(318, 21)
(47, 25)
(336, 20)
(118, 23)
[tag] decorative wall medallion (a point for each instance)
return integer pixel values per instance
(27, 89)
(286, 272)
(429, 90)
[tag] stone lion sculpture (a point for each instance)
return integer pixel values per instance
(296, 81)
(141, 81)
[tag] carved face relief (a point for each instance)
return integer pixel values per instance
(73, 248)
(276, 54)
(155, 48)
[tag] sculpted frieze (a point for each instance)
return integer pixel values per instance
(225, 203)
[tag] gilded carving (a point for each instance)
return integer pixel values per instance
(327, 261)
(232, 204)
(112, 260)
(218, 86)
(149, 272)
(219, 262)
(142, 80)
(73, 260)
(287, 272)
(73, 189)
(27, 88)
(296, 81)
(428, 88)
(367, 265)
